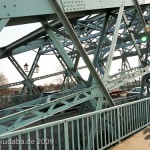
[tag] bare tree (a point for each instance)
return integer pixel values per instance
(3, 79)
(4, 91)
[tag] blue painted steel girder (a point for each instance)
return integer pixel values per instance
(17, 8)
(41, 32)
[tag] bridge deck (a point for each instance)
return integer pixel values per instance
(141, 141)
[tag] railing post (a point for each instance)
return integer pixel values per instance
(9, 143)
(66, 135)
(147, 112)
(118, 120)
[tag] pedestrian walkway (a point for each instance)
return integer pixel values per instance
(140, 141)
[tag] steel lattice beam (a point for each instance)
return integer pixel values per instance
(48, 109)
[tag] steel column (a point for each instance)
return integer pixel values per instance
(99, 46)
(132, 37)
(142, 19)
(113, 44)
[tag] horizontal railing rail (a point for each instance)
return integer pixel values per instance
(95, 130)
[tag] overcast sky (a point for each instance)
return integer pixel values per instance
(48, 63)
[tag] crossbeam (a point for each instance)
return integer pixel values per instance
(45, 110)
(43, 8)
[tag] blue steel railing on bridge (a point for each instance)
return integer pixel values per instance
(96, 130)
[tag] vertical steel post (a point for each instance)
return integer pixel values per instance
(99, 46)
(113, 44)
(118, 121)
(132, 36)
(146, 61)
(141, 18)
(66, 135)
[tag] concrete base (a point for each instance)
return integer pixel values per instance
(140, 141)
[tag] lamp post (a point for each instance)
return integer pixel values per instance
(37, 68)
(26, 67)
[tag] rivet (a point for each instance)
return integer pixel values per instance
(4, 6)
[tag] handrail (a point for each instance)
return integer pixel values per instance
(107, 126)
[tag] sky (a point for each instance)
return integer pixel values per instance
(48, 63)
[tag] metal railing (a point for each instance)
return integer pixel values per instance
(95, 130)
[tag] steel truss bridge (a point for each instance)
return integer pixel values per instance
(75, 30)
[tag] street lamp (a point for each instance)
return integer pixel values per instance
(26, 67)
(37, 68)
